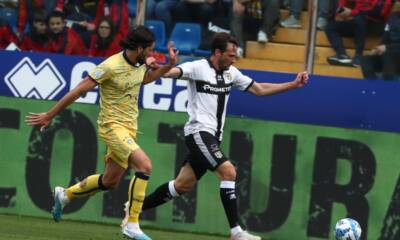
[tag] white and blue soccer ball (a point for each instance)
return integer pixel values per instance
(347, 229)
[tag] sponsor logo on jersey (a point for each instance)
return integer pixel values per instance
(213, 88)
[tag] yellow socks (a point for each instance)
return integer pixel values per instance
(88, 187)
(93, 184)
(136, 194)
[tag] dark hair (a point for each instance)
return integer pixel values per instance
(39, 15)
(56, 14)
(140, 36)
(221, 40)
(104, 42)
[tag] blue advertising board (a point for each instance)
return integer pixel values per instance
(329, 101)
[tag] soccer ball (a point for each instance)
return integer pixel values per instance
(347, 229)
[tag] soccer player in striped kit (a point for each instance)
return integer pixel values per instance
(209, 84)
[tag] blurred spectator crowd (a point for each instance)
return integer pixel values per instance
(73, 27)
(95, 27)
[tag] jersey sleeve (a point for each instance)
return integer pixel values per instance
(240, 81)
(187, 71)
(101, 73)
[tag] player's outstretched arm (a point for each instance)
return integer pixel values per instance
(173, 73)
(162, 69)
(263, 89)
(43, 119)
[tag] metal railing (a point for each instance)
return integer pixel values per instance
(311, 36)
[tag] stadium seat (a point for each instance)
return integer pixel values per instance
(158, 28)
(202, 53)
(9, 15)
(132, 8)
(184, 59)
(186, 37)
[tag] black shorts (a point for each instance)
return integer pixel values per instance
(204, 153)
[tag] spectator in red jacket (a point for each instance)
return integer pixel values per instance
(62, 39)
(105, 42)
(352, 18)
(37, 38)
(119, 13)
(379, 8)
(26, 9)
(385, 58)
(83, 15)
(6, 35)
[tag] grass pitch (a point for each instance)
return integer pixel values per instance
(18, 228)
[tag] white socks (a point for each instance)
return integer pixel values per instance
(172, 189)
(227, 184)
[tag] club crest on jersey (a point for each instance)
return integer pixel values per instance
(129, 140)
(98, 73)
(228, 76)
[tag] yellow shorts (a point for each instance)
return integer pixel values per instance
(120, 141)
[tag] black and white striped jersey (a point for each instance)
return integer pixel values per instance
(208, 94)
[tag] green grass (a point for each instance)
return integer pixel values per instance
(20, 227)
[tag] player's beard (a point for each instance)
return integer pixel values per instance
(223, 65)
(141, 58)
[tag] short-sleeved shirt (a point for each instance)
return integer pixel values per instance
(119, 82)
(208, 93)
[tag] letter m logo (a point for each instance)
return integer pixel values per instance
(30, 81)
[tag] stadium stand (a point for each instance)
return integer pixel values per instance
(9, 15)
(284, 52)
(202, 53)
(186, 37)
(158, 28)
(273, 56)
(132, 8)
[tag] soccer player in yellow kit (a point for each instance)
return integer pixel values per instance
(119, 78)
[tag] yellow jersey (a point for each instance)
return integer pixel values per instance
(119, 82)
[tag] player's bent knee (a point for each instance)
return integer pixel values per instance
(184, 187)
(148, 168)
(229, 174)
(110, 183)
(145, 168)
